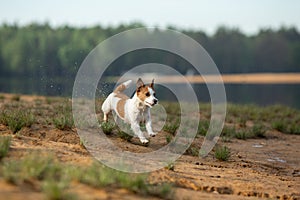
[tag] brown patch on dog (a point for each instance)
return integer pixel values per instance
(121, 108)
(121, 96)
(120, 88)
(121, 104)
(141, 92)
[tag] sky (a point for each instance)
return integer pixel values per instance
(208, 15)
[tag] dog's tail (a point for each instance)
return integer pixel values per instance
(122, 86)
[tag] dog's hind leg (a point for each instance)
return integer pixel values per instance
(106, 107)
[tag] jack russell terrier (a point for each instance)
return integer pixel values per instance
(134, 110)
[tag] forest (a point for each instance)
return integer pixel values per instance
(40, 51)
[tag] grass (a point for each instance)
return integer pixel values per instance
(203, 127)
(99, 176)
(42, 171)
(32, 166)
(237, 113)
(171, 127)
(57, 190)
(107, 127)
(192, 150)
(5, 142)
(256, 131)
(169, 138)
(287, 126)
(279, 125)
(222, 153)
(63, 121)
(54, 178)
(242, 135)
(125, 135)
(16, 119)
(170, 166)
(294, 129)
(16, 97)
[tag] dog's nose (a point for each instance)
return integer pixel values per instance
(155, 101)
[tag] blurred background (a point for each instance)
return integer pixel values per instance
(43, 43)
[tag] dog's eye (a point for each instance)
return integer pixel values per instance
(147, 94)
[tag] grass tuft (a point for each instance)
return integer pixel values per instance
(192, 150)
(258, 131)
(63, 121)
(32, 166)
(171, 127)
(169, 138)
(57, 190)
(170, 166)
(222, 153)
(16, 119)
(124, 135)
(4, 145)
(203, 127)
(16, 97)
(107, 127)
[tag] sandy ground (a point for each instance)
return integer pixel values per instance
(267, 168)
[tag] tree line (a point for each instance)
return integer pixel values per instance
(39, 50)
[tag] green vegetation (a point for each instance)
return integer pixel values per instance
(48, 175)
(63, 121)
(171, 127)
(169, 138)
(72, 45)
(222, 153)
(286, 126)
(54, 178)
(203, 127)
(107, 127)
(125, 135)
(16, 119)
(256, 131)
(192, 150)
(170, 166)
(4, 145)
(99, 176)
(16, 97)
(63, 118)
(57, 190)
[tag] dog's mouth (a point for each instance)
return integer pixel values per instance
(150, 104)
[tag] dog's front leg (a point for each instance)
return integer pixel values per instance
(149, 124)
(137, 131)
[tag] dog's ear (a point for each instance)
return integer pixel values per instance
(139, 83)
(152, 83)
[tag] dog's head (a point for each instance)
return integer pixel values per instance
(146, 93)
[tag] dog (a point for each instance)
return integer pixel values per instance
(133, 110)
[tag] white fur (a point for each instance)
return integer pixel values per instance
(135, 111)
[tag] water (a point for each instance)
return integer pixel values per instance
(261, 94)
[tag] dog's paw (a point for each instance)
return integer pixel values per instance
(144, 141)
(152, 134)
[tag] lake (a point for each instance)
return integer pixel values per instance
(261, 94)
